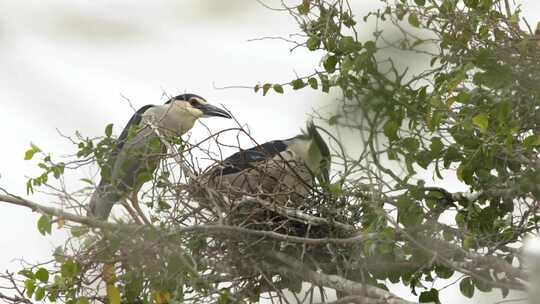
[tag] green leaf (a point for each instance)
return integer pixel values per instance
(313, 43)
(482, 285)
(298, 84)
(108, 130)
(409, 212)
(313, 83)
(44, 224)
(266, 87)
(469, 242)
(471, 3)
(256, 88)
(348, 45)
(335, 189)
(69, 269)
(464, 174)
(466, 287)
(163, 205)
(113, 294)
(532, 141)
(303, 8)
(30, 152)
(481, 121)
(420, 2)
(43, 275)
(436, 146)
(278, 88)
(443, 272)
(370, 47)
(27, 273)
(30, 286)
(429, 296)
(413, 20)
(79, 231)
(40, 294)
(83, 300)
(390, 130)
(330, 64)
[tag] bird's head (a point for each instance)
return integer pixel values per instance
(196, 106)
(318, 157)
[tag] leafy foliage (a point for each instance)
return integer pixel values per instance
(471, 113)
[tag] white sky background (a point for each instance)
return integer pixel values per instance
(66, 64)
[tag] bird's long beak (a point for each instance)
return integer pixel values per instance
(210, 110)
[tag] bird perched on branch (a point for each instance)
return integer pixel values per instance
(139, 148)
(282, 171)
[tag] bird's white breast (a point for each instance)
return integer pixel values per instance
(171, 120)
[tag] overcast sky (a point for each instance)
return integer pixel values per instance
(69, 65)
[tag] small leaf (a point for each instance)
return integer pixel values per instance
(303, 8)
(466, 287)
(40, 294)
(347, 45)
(313, 43)
(468, 242)
(413, 20)
(335, 189)
(44, 224)
(420, 2)
(256, 88)
(481, 121)
(443, 272)
(298, 84)
(330, 64)
(43, 275)
(278, 88)
(370, 47)
(113, 294)
(108, 130)
(79, 231)
(390, 129)
(30, 152)
(27, 273)
(83, 300)
(266, 87)
(69, 269)
(313, 83)
(431, 296)
(30, 286)
(532, 141)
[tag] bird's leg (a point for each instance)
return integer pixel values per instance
(135, 203)
(132, 212)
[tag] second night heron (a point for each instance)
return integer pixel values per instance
(282, 171)
(139, 148)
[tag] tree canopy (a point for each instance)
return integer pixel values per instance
(468, 110)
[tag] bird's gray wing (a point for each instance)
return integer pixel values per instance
(135, 120)
(270, 170)
(245, 159)
(109, 190)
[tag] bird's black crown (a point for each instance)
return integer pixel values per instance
(184, 97)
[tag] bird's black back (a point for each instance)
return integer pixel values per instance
(135, 120)
(245, 159)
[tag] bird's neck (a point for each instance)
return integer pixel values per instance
(305, 150)
(172, 121)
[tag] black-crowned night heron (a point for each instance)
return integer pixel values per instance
(281, 171)
(139, 148)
